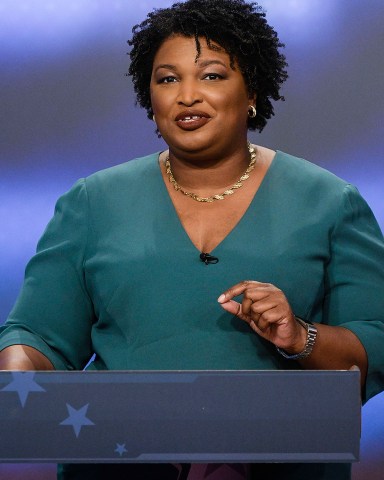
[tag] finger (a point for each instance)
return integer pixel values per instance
(263, 323)
(247, 305)
(354, 368)
(235, 308)
(238, 289)
(271, 308)
(255, 328)
(256, 302)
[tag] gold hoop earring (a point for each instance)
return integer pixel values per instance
(252, 111)
(154, 118)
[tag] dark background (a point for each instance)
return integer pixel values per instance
(67, 109)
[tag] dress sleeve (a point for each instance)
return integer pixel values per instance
(53, 312)
(355, 282)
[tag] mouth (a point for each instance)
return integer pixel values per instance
(191, 120)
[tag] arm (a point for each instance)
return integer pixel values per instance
(337, 348)
(22, 357)
(267, 311)
(53, 315)
(352, 304)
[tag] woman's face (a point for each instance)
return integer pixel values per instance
(199, 106)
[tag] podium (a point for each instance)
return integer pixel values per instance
(180, 416)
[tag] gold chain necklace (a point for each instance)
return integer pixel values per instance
(230, 191)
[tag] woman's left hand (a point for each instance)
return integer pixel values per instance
(267, 311)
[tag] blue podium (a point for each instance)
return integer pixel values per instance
(180, 416)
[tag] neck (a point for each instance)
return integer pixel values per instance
(206, 175)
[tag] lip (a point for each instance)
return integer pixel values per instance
(192, 119)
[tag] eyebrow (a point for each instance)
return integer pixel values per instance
(167, 66)
(206, 63)
(202, 64)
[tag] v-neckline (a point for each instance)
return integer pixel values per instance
(237, 225)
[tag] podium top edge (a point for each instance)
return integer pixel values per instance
(293, 372)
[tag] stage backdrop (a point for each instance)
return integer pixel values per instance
(67, 109)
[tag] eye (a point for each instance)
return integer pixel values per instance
(168, 79)
(213, 76)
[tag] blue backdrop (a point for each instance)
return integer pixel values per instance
(67, 109)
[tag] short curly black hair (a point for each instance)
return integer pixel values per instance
(237, 26)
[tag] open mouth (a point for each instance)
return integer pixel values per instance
(188, 120)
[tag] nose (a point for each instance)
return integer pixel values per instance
(189, 93)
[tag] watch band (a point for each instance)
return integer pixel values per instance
(309, 344)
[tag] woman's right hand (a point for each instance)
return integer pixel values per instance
(23, 357)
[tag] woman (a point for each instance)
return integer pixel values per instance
(132, 264)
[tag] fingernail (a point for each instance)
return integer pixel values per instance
(221, 298)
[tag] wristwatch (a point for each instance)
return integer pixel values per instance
(309, 344)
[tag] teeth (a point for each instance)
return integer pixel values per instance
(191, 119)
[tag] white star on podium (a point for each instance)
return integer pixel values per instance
(23, 384)
(77, 418)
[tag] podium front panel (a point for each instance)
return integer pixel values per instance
(167, 416)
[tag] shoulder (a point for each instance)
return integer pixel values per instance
(308, 190)
(299, 171)
(303, 180)
(115, 186)
(128, 172)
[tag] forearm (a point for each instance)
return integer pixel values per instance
(23, 357)
(265, 308)
(336, 348)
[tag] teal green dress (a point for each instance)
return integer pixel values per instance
(116, 275)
